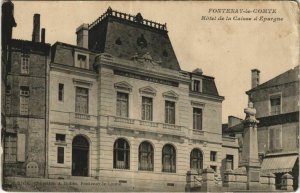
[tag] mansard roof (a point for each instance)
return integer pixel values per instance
(125, 36)
(284, 78)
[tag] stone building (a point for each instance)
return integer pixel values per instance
(7, 23)
(276, 102)
(26, 106)
(122, 110)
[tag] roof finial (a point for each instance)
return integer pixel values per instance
(109, 10)
(139, 18)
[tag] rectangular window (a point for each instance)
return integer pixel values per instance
(229, 162)
(147, 108)
(60, 155)
(275, 104)
(82, 100)
(25, 64)
(196, 87)
(122, 104)
(60, 137)
(82, 61)
(213, 156)
(170, 112)
(24, 100)
(197, 118)
(275, 142)
(60, 92)
(10, 148)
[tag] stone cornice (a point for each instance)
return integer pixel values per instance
(75, 70)
(204, 96)
(144, 69)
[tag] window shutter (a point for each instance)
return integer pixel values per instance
(21, 147)
(271, 139)
(278, 138)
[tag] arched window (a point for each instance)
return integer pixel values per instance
(121, 154)
(169, 159)
(196, 159)
(146, 156)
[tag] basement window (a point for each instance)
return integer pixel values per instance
(60, 137)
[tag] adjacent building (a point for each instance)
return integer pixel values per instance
(121, 109)
(26, 106)
(276, 102)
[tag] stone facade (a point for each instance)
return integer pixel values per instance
(25, 106)
(276, 102)
(106, 74)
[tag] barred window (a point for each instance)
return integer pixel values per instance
(197, 118)
(81, 101)
(122, 104)
(170, 112)
(146, 156)
(169, 159)
(196, 159)
(147, 107)
(121, 154)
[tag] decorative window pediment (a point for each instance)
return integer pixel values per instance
(197, 104)
(148, 90)
(82, 83)
(170, 95)
(124, 86)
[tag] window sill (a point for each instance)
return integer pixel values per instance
(60, 143)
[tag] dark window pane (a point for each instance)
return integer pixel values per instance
(170, 112)
(60, 155)
(60, 92)
(121, 154)
(122, 104)
(169, 159)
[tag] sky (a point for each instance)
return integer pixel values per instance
(226, 50)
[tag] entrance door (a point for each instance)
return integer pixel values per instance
(80, 156)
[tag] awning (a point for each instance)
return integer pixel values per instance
(280, 164)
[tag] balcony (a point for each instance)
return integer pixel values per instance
(141, 125)
(73, 118)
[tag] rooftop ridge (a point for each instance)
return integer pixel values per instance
(137, 19)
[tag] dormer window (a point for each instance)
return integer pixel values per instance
(196, 85)
(82, 60)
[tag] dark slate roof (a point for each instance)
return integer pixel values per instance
(124, 36)
(284, 78)
(209, 87)
(27, 46)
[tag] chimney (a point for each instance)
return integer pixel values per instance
(43, 35)
(36, 28)
(254, 78)
(83, 35)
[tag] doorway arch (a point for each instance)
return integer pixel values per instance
(80, 156)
